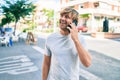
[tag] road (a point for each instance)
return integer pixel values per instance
(24, 62)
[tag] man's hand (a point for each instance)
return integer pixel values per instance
(73, 32)
(84, 56)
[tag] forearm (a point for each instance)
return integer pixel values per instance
(83, 54)
(45, 67)
(45, 71)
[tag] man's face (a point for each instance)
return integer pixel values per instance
(64, 21)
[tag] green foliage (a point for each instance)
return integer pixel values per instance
(17, 9)
(48, 30)
(84, 15)
(48, 13)
(24, 30)
(7, 19)
(32, 26)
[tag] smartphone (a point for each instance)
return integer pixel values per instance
(75, 22)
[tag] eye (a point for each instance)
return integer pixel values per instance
(67, 17)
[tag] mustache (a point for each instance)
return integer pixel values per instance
(62, 21)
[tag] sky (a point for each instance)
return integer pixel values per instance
(46, 0)
(2, 2)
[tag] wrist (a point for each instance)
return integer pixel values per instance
(76, 41)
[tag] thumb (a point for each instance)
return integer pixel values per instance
(69, 28)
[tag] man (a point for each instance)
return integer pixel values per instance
(105, 25)
(6, 39)
(64, 50)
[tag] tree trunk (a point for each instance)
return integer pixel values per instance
(15, 28)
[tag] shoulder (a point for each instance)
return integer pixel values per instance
(51, 37)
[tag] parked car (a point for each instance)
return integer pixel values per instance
(82, 28)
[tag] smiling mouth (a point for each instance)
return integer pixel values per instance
(63, 22)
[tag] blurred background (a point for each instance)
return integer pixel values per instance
(45, 15)
(25, 25)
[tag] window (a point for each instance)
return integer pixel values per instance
(115, 8)
(96, 4)
(105, 6)
(81, 6)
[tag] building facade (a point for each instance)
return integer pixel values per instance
(97, 10)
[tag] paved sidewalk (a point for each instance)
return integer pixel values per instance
(108, 47)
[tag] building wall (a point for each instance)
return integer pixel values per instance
(101, 9)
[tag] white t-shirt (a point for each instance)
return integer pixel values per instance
(64, 57)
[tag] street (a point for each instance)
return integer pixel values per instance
(24, 62)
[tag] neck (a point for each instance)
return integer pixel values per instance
(64, 32)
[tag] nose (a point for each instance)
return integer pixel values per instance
(62, 17)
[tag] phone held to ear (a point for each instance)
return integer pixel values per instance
(75, 22)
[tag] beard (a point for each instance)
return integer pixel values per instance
(64, 29)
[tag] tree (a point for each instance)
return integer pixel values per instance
(17, 9)
(8, 18)
(49, 14)
(84, 15)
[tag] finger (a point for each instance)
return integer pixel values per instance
(73, 25)
(69, 28)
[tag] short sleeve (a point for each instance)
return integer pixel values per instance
(47, 49)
